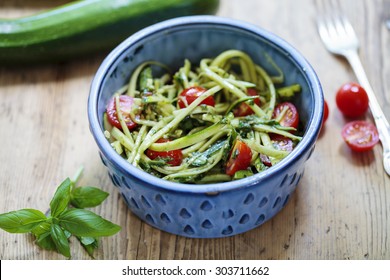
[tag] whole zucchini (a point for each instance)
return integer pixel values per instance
(84, 27)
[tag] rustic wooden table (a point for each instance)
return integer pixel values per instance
(340, 210)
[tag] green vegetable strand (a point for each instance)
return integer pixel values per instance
(230, 87)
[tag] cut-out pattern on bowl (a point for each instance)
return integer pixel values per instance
(185, 214)
(165, 218)
(134, 203)
(160, 199)
(249, 199)
(126, 182)
(260, 219)
(283, 182)
(227, 231)
(206, 206)
(227, 214)
(102, 159)
(277, 201)
(286, 200)
(114, 179)
(244, 219)
(189, 230)
(263, 202)
(145, 202)
(293, 177)
(149, 219)
(207, 224)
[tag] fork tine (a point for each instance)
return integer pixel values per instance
(340, 24)
(330, 26)
(322, 28)
(325, 21)
(348, 26)
(332, 9)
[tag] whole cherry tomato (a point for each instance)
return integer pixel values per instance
(173, 157)
(290, 118)
(187, 96)
(360, 136)
(243, 108)
(239, 159)
(352, 100)
(126, 103)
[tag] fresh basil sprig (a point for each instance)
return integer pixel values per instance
(65, 218)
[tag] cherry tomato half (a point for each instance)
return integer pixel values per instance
(352, 100)
(243, 108)
(174, 157)
(290, 118)
(239, 159)
(281, 142)
(126, 103)
(360, 136)
(187, 96)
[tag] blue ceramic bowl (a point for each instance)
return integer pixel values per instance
(210, 210)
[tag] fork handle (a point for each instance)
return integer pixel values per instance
(379, 117)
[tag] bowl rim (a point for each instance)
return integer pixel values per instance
(308, 140)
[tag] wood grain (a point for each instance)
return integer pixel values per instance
(340, 210)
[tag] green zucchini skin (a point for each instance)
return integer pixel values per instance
(85, 27)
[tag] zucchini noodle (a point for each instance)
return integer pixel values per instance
(185, 126)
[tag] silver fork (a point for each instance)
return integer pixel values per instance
(340, 38)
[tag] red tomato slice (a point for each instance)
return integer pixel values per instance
(243, 108)
(290, 118)
(187, 96)
(281, 142)
(360, 136)
(126, 104)
(352, 100)
(239, 159)
(175, 157)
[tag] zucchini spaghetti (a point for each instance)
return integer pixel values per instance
(221, 120)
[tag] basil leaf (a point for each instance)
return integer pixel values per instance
(21, 221)
(67, 233)
(87, 240)
(42, 228)
(89, 244)
(46, 242)
(201, 159)
(84, 197)
(81, 222)
(60, 240)
(61, 198)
